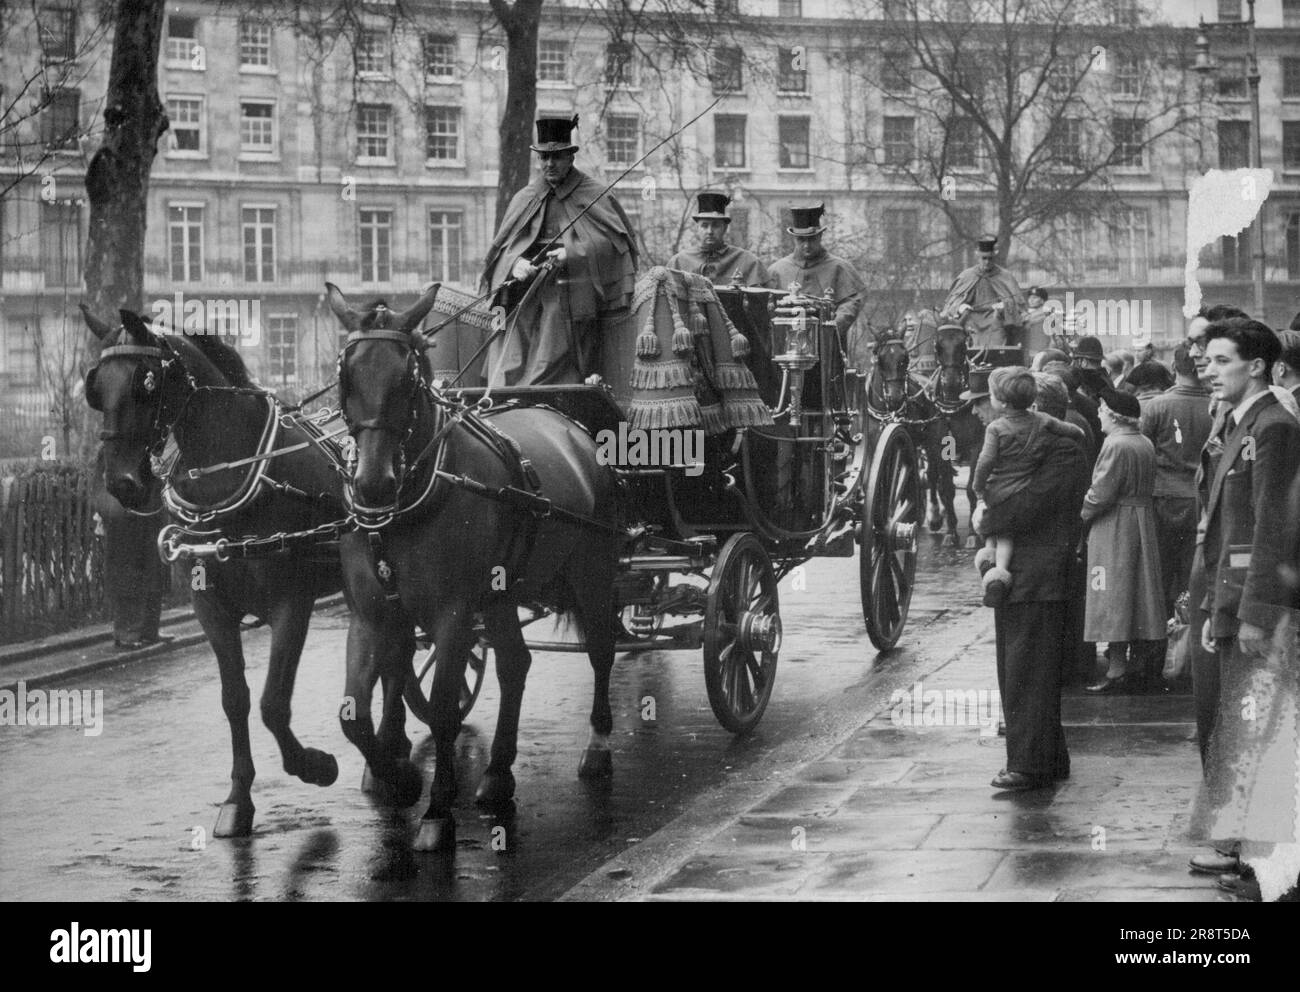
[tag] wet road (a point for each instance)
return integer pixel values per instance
(127, 815)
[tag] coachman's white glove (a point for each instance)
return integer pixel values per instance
(523, 269)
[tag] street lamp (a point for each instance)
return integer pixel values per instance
(1204, 66)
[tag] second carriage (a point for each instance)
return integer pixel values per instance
(787, 474)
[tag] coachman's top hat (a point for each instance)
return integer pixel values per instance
(713, 206)
(806, 221)
(979, 383)
(987, 243)
(1088, 347)
(553, 134)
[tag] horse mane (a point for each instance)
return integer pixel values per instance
(226, 359)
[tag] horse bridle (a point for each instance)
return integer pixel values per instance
(167, 357)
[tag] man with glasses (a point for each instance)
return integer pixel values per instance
(565, 281)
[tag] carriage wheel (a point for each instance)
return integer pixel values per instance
(891, 512)
(742, 633)
(474, 669)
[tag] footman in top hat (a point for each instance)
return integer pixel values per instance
(563, 305)
(987, 300)
(715, 258)
(816, 271)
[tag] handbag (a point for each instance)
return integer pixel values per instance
(1178, 654)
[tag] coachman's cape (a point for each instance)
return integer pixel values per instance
(563, 314)
(979, 289)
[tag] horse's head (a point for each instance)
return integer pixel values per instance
(383, 370)
(950, 355)
(136, 391)
(891, 367)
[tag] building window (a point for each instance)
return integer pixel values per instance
(1129, 137)
(376, 245)
(1291, 13)
(259, 244)
(964, 229)
(1128, 76)
(61, 244)
(738, 229)
(282, 348)
(724, 8)
(622, 139)
(1060, 78)
(620, 65)
(440, 56)
(254, 43)
(183, 41)
(1293, 246)
(1065, 142)
(1291, 145)
(1290, 76)
(792, 69)
(792, 135)
(899, 140)
(1229, 10)
(790, 8)
(372, 52)
(185, 242)
(257, 127)
(963, 143)
(444, 245)
(729, 141)
(60, 119)
(1234, 144)
(725, 70)
(57, 28)
(185, 114)
(1236, 256)
(552, 61)
(960, 10)
(1130, 244)
(442, 133)
(896, 71)
(1125, 13)
(374, 132)
(900, 226)
(1230, 80)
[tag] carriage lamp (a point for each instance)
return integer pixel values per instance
(801, 332)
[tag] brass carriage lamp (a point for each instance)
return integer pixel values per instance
(802, 329)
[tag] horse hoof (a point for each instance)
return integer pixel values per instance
(970, 543)
(403, 791)
(495, 791)
(234, 820)
(596, 763)
(950, 540)
(375, 787)
(318, 767)
(437, 836)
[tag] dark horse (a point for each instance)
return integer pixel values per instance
(462, 514)
(196, 390)
(895, 395)
(963, 430)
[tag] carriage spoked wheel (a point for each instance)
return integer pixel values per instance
(891, 513)
(474, 669)
(742, 633)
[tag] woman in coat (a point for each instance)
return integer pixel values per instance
(1124, 601)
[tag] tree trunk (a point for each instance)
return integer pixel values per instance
(520, 23)
(117, 180)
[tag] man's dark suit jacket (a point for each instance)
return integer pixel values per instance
(1246, 519)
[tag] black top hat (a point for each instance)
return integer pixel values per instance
(553, 134)
(713, 206)
(979, 383)
(1088, 347)
(988, 243)
(806, 221)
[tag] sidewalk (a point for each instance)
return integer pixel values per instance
(897, 812)
(75, 652)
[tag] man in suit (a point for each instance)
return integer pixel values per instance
(1033, 639)
(1247, 469)
(715, 259)
(1286, 370)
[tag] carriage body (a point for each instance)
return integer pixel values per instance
(706, 547)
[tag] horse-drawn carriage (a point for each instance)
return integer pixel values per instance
(788, 474)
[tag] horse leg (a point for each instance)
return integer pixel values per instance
(513, 659)
(596, 608)
(370, 654)
(454, 636)
(289, 621)
(392, 730)
(235, 817)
